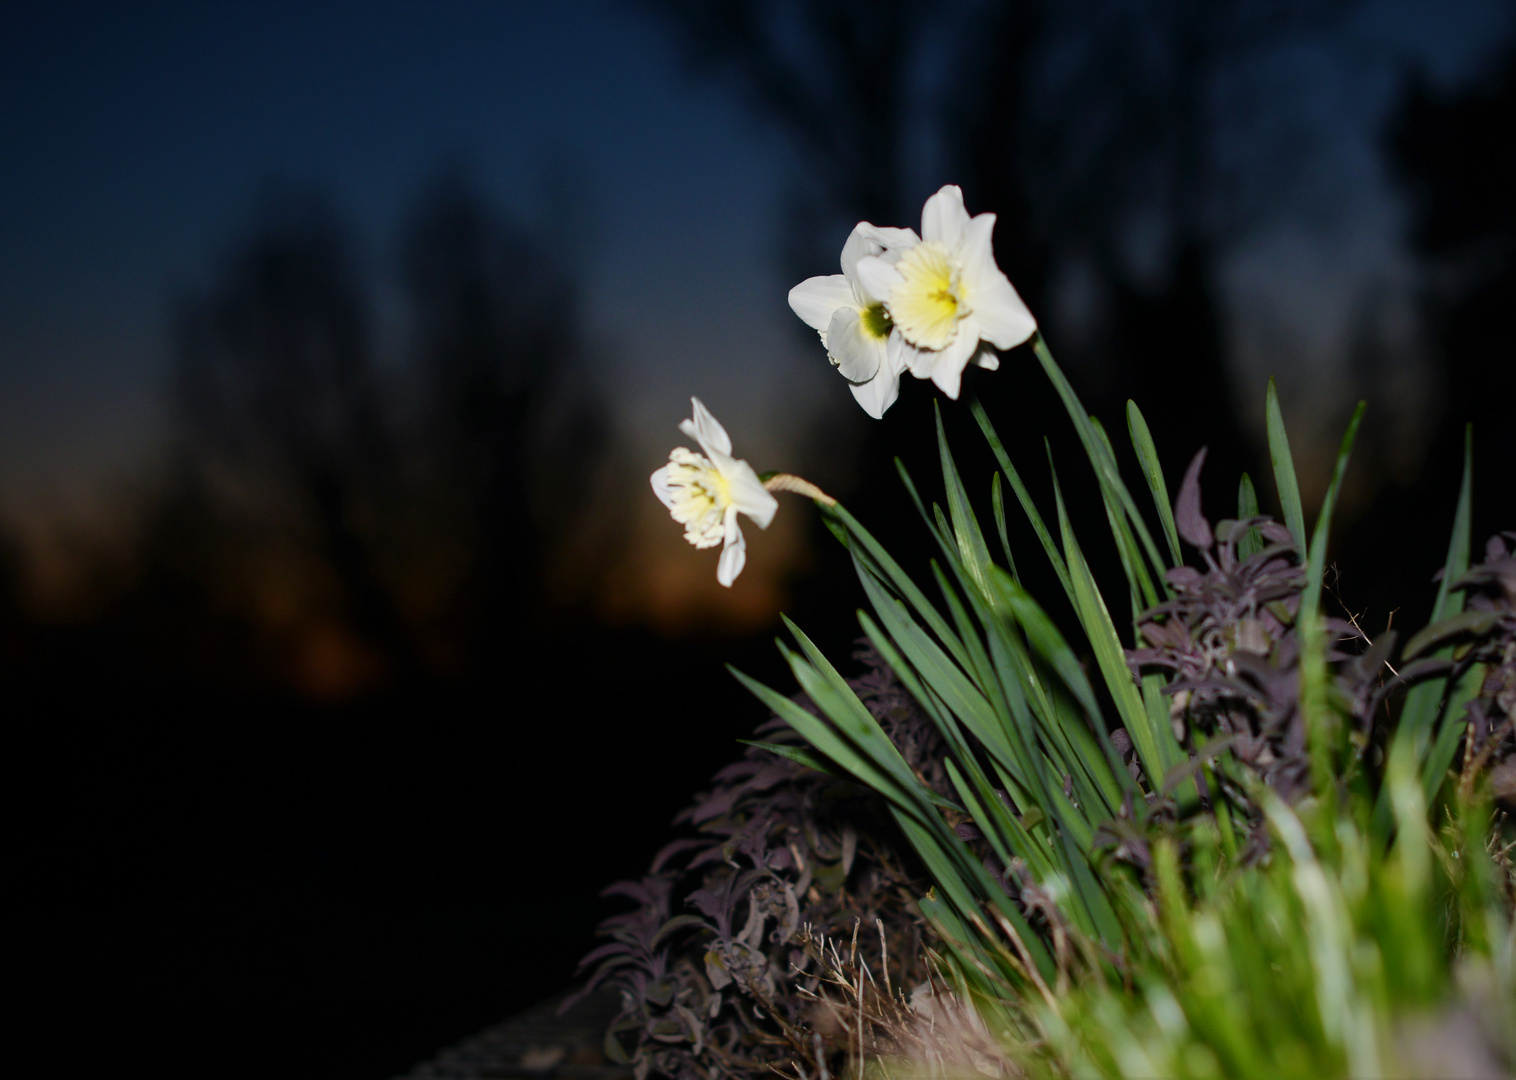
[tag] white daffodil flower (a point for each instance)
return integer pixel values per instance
(946, 296)
(853, 322)
(705, 492)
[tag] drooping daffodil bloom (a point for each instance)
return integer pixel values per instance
(706, 491)
(853, 322)
(946, 296)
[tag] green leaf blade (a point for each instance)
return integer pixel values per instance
(1284, 469)
(1247, 507)
(1152, 472)
(1310, 599)
(1055, 557)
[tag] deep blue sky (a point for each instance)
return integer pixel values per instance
(134, 138)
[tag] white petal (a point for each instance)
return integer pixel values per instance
(900, 354)
(814, 300)
(976, 251)
(947, 372)
(856, 353)
(1002, 316)
(734, 555)
(986, 358)
(867, 239)
(860, 242)
(891, 239)
(749, 495)
(661, 487)
(877, 276)
(708, 430)
(943, 218)
(879, 393)
(920, 362)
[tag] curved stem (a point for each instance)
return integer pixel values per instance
(799, 486)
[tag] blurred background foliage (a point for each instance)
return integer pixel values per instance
(386, 665)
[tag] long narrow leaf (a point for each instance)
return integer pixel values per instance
(831, 693)
(1152, 472)
(944, 678)
(1072, 835)
(898, 579)
(1008, 693)
(799, 755)
(1090, 745)
(820, 735)
(968, 633)
(1004, 831)
(1435, 770)
(1310, 598)
(1151, 746)
(940, 864)
(1132, 562)
(939, 714)
(1039, 721)
(1409, 749)
(1421, 703)
(1007, 696)
(997, 504)
(971, 546)
(1024, 497)
(1247, 507)
(1043, 635)
(957, 936)
(1098, 450)
(1091, 911)
(1284, 469)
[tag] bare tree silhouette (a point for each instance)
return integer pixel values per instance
(1459, 173)
(414, 513)
(1451, 153)
(836, 74)
(496, 348)
(279, 412)
(1150, 134)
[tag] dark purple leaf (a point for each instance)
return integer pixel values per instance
(675, 847)
(678, 923)
(1276, 533)
(1184, 577)
(718, 803)
(632, 890)
(709, 903)
(1188, 519)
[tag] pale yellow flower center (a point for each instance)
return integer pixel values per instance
(701, 496)
(928, 302)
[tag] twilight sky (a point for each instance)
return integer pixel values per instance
(134, 138)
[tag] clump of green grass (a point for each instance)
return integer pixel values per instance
(1218, 874)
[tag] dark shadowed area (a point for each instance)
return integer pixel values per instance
(349, 653)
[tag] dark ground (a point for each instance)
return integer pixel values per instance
(292, 890)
